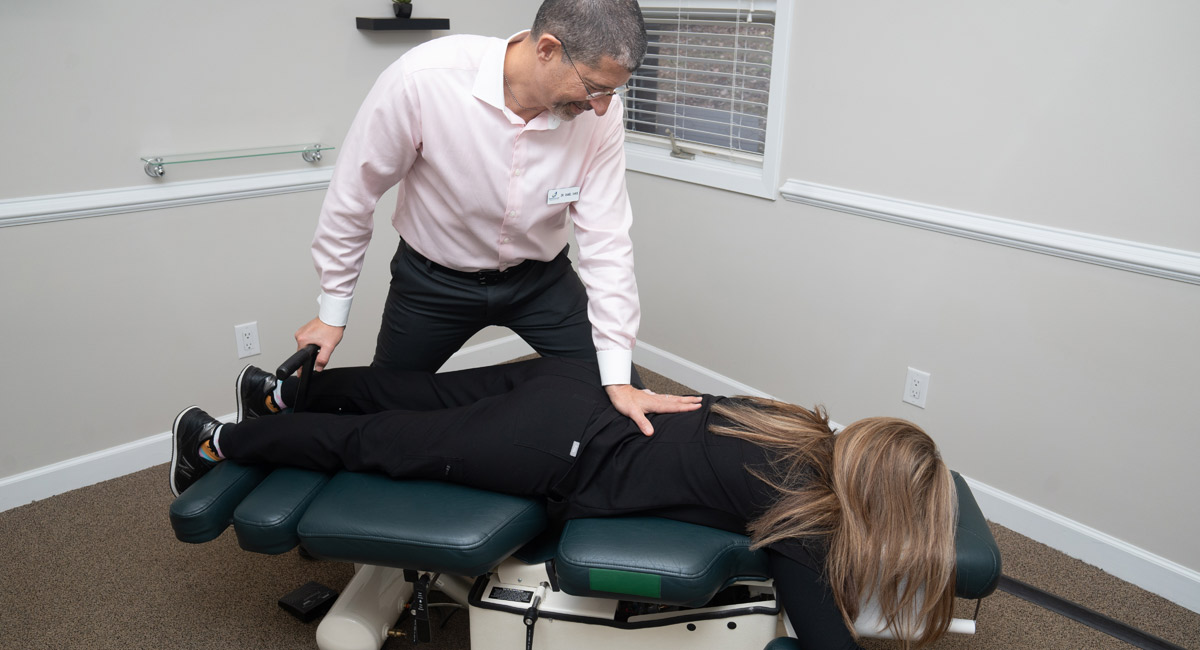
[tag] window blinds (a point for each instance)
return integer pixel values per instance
(706, 78)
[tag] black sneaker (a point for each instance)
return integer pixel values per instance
(192, 427)
(255, 393)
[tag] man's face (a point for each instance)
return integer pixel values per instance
(575, 82)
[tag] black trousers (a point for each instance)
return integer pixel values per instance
(430, 313)
(514, 428)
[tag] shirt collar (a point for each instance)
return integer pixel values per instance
(489, 83)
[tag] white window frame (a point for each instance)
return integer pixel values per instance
(652, 155)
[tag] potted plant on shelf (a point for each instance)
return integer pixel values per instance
(403, 8)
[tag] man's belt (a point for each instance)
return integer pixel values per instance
(485, 277)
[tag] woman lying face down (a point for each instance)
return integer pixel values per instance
(868, 513)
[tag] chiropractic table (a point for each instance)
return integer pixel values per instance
(634, 582)
(641, 582)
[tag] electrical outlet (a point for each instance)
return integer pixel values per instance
(247, 339)
(916, 387)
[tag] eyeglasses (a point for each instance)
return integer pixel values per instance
(591, 95)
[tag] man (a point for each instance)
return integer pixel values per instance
(495, 144)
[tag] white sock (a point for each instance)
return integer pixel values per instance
(216, 441)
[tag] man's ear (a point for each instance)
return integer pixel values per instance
(547, 47)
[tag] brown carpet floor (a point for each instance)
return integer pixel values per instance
(99, 568)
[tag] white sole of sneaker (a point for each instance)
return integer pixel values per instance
(237, 390)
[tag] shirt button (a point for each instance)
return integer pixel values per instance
(505, 240)
(512, 213)
(516, 172)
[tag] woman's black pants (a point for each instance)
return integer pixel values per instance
(514, 428)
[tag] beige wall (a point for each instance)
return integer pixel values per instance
(1076, 114)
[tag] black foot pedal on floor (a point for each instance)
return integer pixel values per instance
(309, 602)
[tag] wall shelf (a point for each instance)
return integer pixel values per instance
(154, 165)
(392, 24)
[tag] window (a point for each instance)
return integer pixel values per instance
(706, 105)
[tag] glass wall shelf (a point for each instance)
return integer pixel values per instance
(155, 165)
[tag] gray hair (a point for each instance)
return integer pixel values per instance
(594, 29)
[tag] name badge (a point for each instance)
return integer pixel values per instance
(562, 195)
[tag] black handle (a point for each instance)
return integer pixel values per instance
(305, 356)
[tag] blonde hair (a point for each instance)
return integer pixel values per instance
(877, 493)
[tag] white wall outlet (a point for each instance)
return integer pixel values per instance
(916, 387)
(247, 339)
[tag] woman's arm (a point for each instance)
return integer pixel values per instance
(809, 604)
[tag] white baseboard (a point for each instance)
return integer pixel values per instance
(689, 374)
(89, 469)
(1155, 574)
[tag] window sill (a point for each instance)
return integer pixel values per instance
(703, 170)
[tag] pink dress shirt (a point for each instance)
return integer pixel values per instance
(477, 186)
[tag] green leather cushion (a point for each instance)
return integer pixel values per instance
(658, 560)
(978, 554)
(266, 520)
(425, 525)
(650, 559)
(206, 508)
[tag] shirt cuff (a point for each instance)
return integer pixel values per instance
(615, 366)
(334, 311)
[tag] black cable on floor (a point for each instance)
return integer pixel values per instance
(1081, 614)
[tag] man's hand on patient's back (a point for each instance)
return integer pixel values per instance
(636, 404)
(325, 336)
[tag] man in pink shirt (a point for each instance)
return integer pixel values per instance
(496, 145)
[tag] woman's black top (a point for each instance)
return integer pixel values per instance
(686, 473)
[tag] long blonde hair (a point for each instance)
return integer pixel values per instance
(877, 493)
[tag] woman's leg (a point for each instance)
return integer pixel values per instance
(519, 442)
(372, 390)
